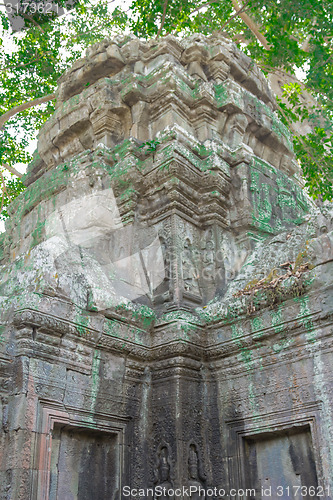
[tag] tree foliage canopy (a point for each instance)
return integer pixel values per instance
(282, 36)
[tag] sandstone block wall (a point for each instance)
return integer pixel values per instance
(166, 288)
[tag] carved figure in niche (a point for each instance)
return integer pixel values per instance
(166, 258)
(261, 199)
(190, 272)
(208, 258)
(195, 475)
(264, 206)
(162, 475)
(163, 293)
(286, 201)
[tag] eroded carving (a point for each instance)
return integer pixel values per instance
(162, 474)
(164, 271)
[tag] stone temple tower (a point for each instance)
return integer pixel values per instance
(166, 289)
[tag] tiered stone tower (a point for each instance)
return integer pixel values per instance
(166, 292)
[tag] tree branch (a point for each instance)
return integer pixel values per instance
(237, 13)
(210, 3)
(12, 170)
(21, 107)
(163, 18)
(43, 54)
(240, 39)
(30, 18)
(203, 5)
(319, 64)
(73, 38)
(296, 133)
(4, 188)
(306, 44)
(251, 24)
(2, 200)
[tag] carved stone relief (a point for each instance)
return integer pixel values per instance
(162, 473)
(164, 269)
(196, 477)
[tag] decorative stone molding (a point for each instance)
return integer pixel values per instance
(166, 294)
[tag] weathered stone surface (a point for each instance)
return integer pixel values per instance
(166, 288)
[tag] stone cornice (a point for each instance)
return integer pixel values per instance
(173, 339)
